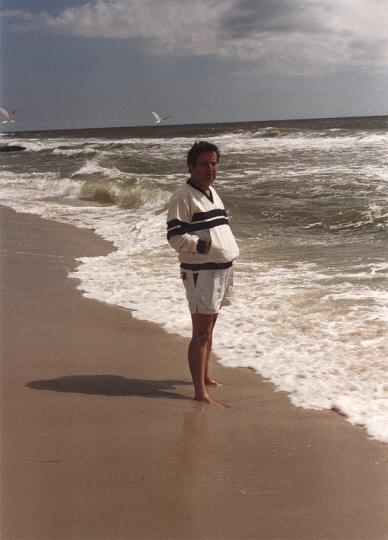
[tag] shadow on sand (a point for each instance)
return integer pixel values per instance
(111, 385)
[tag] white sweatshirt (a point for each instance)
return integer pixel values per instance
(192, 217)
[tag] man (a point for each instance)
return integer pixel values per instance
(198, 229)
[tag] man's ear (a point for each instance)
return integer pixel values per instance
(190, 165)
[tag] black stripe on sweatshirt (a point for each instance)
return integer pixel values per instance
(180, 231)
(174, 223)
(181, 227)
(206, 266)
(201, 216)
(208, 224)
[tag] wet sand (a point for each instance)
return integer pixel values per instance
(101, 440)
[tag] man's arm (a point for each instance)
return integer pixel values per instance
(178, 229)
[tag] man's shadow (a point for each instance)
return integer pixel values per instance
(111, 385)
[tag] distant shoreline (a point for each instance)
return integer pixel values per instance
(165, 127)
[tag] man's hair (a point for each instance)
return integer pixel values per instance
(201, 147)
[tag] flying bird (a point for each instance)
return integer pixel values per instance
(9, 117)
(159, 119)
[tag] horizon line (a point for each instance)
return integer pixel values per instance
(164, 126)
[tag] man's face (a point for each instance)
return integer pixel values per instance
(203, 173)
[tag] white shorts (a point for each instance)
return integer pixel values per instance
(208, 290)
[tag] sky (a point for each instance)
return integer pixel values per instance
(106, 63)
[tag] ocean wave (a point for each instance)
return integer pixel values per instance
(302, 142)
(93, 169)
(374, 216)
(74, 152)
(60, 146)
(27, 179)
(122, 194)
(272, 140)
(270, 132)
(47, 186)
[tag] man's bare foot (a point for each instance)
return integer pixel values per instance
(207, 399)
(212, 382)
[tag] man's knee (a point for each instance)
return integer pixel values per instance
(202, 338)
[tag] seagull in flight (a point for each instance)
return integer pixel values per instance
(159, 119)
(9, 117)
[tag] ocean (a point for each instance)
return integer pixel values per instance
(308, 204)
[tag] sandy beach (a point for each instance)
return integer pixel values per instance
(101, 440)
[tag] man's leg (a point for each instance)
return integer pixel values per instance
(199, 351)
(208, 380)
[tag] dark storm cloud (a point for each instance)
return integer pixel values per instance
(248, 17)
(306, 36)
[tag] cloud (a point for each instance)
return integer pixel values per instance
(277, 35)
(248, 17)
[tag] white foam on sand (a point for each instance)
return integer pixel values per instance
(316, 334)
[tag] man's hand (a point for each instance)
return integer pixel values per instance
(203, 246)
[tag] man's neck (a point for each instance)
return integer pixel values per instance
(203, 188)
(207, 191)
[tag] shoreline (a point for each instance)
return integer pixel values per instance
(101, 438)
